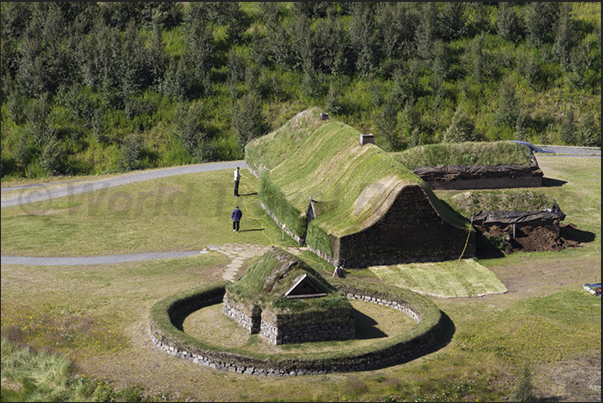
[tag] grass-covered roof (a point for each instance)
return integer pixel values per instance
(267, 281)
(352, 185)
(468, 153)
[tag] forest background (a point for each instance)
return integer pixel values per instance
(95, 88)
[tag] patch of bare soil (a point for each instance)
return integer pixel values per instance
(534, 238)
(572, 380)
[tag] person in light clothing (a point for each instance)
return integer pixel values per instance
(237, 178)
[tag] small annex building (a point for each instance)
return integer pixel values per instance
(286, 301)
(473, 165)
(348, 200)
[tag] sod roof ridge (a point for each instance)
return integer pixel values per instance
(273, 275)
(352, 186)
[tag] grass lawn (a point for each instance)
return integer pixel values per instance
(464, 278)
(98, 315)
(179, 213)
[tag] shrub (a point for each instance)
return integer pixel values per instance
(461, 129)
(53, 158)
(130, 152)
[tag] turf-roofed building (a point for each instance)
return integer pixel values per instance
(286, 301)
(352, 203)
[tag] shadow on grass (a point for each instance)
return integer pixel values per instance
(446, 334)
(249, 194)
(575, 234)
(550, 182)
(250, 230)
(365, 327)
(484, 248)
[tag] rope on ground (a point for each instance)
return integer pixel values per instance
(467, 241)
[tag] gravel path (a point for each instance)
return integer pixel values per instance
(567, 151)
(237, 253)
(69, 188)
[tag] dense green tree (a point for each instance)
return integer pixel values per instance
(481, 17)
(53, 158)
(521, 127)
(530, 69)
(97, 126)
(25, 152)
(426, 32)
(440, 64)
(16, 104)
(568, 128)
(302, 40)
(396, 23)
(236, 67)
(14, 19)
(333, 103)
(364, 39)
(156, 58)
(119, 14)
(312, 9)
(40, 125)
(461, 129)
(579, 64)
(31, 75)
(508, 25)
(177, 80)
(477, 58)
(135, 67)
(452, 21)
(270, 12)
(540, 21)
(565, 37)
(279, 46)
(387, 124)
(509, 106)
(130, 152)
(252, 80)
(248, 121)
(331, 45)
(310, 82)
(589, 132)
(230, 15)
(201, 50)
(191, 130)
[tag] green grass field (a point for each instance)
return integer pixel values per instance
(185, 212)
(97, 316)
(464, 278)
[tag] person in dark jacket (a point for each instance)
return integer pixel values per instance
(236, 218)
(339, 272)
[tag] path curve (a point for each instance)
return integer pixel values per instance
(69, 188)
(237, 253)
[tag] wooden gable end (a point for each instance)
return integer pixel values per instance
(305, 287)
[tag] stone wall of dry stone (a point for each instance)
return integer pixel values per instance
(233, 362)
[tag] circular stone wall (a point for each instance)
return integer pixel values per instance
(167, 317)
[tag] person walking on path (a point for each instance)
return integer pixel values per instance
(237, 178)
(236, 218)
